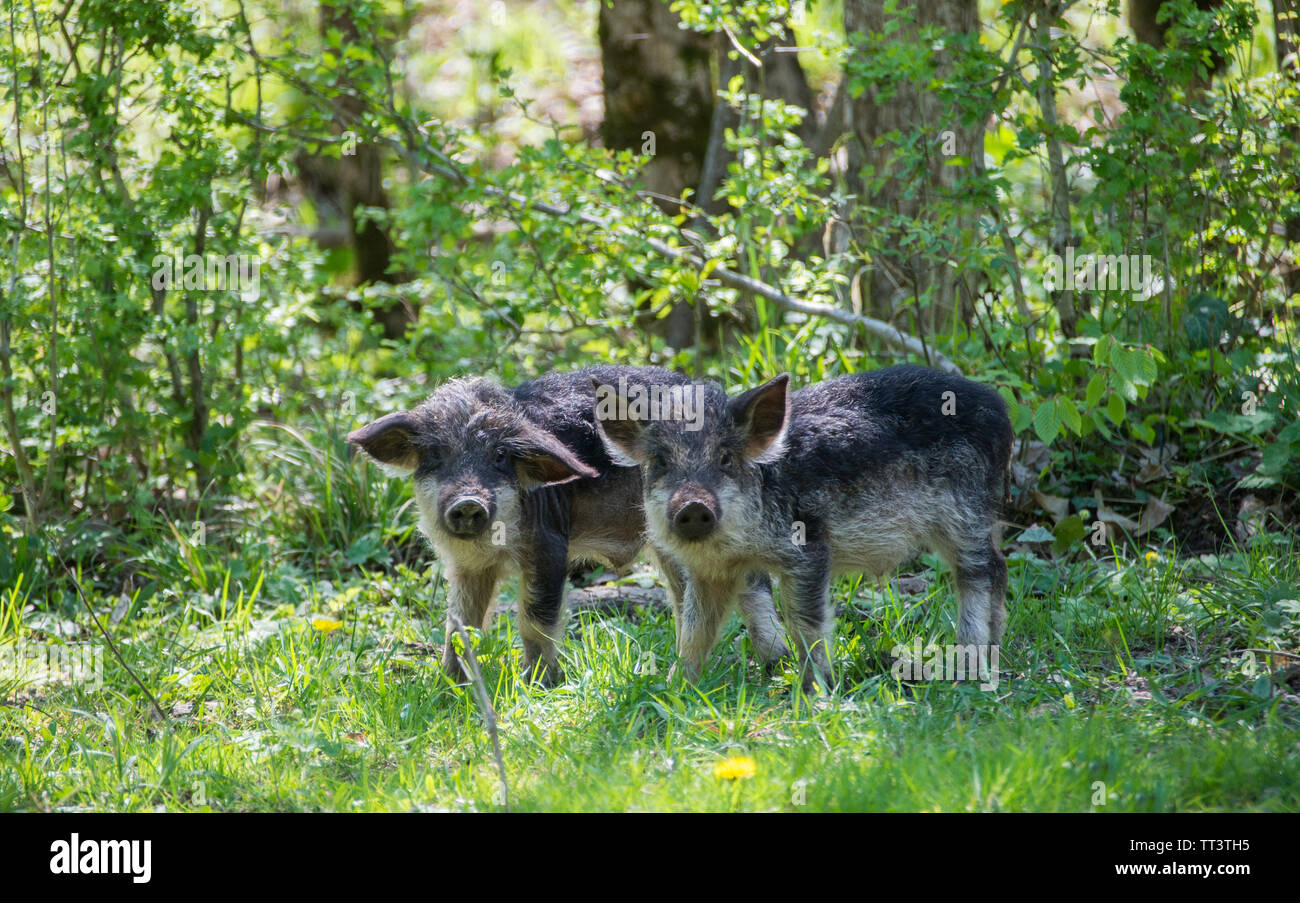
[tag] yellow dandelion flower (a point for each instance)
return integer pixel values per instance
(1151, 557)
(734, 768)
(325, 625)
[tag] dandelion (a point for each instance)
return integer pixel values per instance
(734, 768)
(325, 625)
(1151, 557)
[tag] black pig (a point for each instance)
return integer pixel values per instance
(518, 480)
(853, 475)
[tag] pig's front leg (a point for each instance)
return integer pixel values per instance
(761, 620)
(470, 595)
(541, 607)
(705, 605)
(674, 582)
(808, 613)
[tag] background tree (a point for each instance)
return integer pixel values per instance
(904, 176)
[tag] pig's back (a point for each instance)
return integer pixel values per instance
(851, 425)
(564, 403)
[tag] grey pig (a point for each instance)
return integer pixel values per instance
(853, 475)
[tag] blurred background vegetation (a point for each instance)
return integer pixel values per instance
(422, 190)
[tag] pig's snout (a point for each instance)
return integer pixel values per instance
(467, 516)
(693, 513)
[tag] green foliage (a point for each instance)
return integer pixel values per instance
(178, 441)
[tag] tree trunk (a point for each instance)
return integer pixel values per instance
(660, 98)
(913, 106)
(1144, 16)
(1286, 33)
(778, 76)
(1062, 235)
(658, 91)
(355, 179)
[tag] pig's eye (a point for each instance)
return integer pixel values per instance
(502, 457)
(727, 461)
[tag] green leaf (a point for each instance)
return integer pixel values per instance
(1036, 533)
(1290, 434)
(1068, 414)
(1096, 386)
(1125, 365)
(1101, 350)
(1275, 459)
(1205, 320)
(1022, 416)
(1257, 480)
(1068, 532)
(1098, 418)
(1115, 409)
(1146, 366)
(1124, 388)
(1045, 422)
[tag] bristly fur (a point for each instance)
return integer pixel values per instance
(533, 458)
(867, 471)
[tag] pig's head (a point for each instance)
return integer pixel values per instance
(472, 452)
(702, 479)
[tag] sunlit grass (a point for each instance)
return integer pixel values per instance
(1125, 686)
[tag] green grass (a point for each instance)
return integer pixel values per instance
(1126, 685)
(270, 714)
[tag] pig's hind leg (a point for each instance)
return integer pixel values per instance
(981, 573)
(998, 595)
(981, 577)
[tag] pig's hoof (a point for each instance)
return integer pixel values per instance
(813, 685)
(683, 673)
(772, 667)
(545, 674)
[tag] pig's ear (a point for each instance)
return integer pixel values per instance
(761, 413)
(624, 439)
(543, 460)
(389, 441)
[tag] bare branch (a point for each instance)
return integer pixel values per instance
(153, 700)
(421, 155)
(484, 706)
